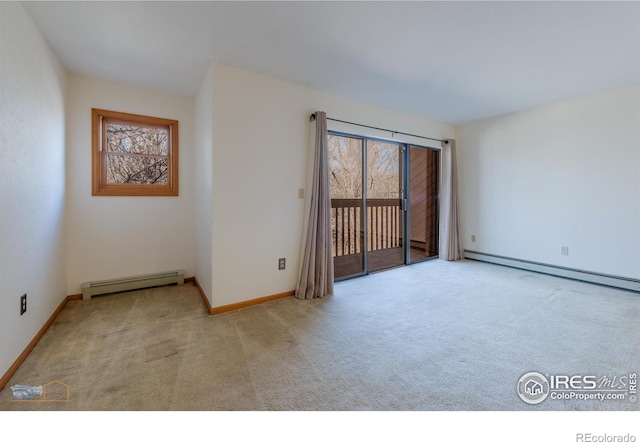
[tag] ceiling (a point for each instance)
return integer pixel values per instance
(449, 61)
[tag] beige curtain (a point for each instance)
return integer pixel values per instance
(316, 270)
(450, 245)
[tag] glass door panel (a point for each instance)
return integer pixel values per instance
(347, 204)
(424, 166)
(376, 223)
(385, 214)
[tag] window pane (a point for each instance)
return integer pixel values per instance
(423, 201)
(385, 216)
(345, 165)
(137, 139)
(130, 169)
(383, 170)
(347, 223)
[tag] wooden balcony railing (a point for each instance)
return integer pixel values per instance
(384, 225)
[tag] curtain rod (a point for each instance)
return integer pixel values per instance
(313, 117)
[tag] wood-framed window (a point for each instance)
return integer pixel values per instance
(133, 155)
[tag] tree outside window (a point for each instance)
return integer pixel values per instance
(134, 155)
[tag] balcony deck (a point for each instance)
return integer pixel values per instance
(377, 260)
(385, 236)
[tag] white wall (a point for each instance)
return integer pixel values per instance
(204, 183)
(32, 182)
(561, 175)
(260, 145)
(111, 237)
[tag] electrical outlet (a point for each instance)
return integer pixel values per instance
(23, 304)
(282, 263)
(564, 250)
(301, 194)
(473, 238)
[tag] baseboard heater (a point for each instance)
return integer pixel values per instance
(564, 272)
(90, 289)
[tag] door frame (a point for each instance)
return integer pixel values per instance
(406, 209)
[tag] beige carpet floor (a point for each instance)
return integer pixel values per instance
(431, 336)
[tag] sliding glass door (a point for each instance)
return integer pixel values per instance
(424, 168)
(384, 205)
(347, 205)
(376, 204)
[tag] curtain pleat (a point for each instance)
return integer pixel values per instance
(450, 245)
(316, 272)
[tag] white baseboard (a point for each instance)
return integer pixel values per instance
(564, 272)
